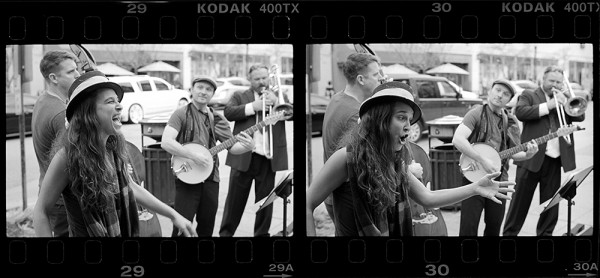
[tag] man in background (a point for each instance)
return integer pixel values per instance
(363, 74)
(59, 69)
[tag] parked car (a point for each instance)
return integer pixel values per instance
(519, 86)
(146, 96)
(437, 98)
(579, 91)
(226, 87)
(318, 105)
(464, 94)
(287, 85)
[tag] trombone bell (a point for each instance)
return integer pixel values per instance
(576, 106)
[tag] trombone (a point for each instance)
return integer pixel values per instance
(274, 86)
(574, 107)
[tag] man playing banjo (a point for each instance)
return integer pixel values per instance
(196, 123)
(493, 125)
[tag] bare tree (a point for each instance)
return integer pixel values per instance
(131, 57)
(420, 57)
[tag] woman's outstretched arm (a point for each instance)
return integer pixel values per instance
(485, 187)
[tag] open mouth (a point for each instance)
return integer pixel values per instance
(403, 138)
(117, 120)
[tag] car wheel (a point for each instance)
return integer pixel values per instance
(136, 114)
(182, 102)
(416, 131)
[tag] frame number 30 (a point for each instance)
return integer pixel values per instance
(437, 270)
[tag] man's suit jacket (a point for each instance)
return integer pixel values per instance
(534, 126)
(235, 111)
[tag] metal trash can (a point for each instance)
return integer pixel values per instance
(445, 170)
(160, 180)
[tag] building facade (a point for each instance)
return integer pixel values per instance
(217, 60)
(484, 62)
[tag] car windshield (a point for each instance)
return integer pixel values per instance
(448, 89)
(127, 88)
(456, 87)
(161, 86)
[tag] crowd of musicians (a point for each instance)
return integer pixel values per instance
(88, 186)
(372, 173)
(370, 176)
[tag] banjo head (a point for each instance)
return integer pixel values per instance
(471, 169)
(189, 172)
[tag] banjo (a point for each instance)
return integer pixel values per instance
(189, 172)
(472, 169)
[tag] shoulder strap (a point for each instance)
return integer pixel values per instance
(211, 117)
(504, 129)
(475, 133)
(211, 128)
(181, 136)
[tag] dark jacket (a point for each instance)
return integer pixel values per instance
(235, 112)
(534, 126)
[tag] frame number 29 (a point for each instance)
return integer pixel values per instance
(132, 271)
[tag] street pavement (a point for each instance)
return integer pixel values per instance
(14, 191)
(582, 209)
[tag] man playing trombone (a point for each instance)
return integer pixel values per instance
(540, 112)
(246, 109)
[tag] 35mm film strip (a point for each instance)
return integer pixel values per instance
(310, 40)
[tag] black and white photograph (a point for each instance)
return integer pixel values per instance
(450, 139)
(149, 140)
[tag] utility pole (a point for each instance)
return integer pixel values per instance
(534, 58)
(16, 88)
(309, 65)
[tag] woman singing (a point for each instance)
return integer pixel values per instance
(369, 177)
(89, 169)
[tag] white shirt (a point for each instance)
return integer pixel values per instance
(257, 136)
(552, 147)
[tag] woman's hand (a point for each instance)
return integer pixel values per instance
(184, 226)
(491, 189)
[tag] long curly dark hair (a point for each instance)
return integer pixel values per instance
(374, 158)
(91, 166)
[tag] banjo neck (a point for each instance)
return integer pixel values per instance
(541, 140)
(230, 142)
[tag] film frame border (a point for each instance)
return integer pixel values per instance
(363, 24)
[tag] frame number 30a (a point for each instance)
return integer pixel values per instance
(129, 271)
(437, 270)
